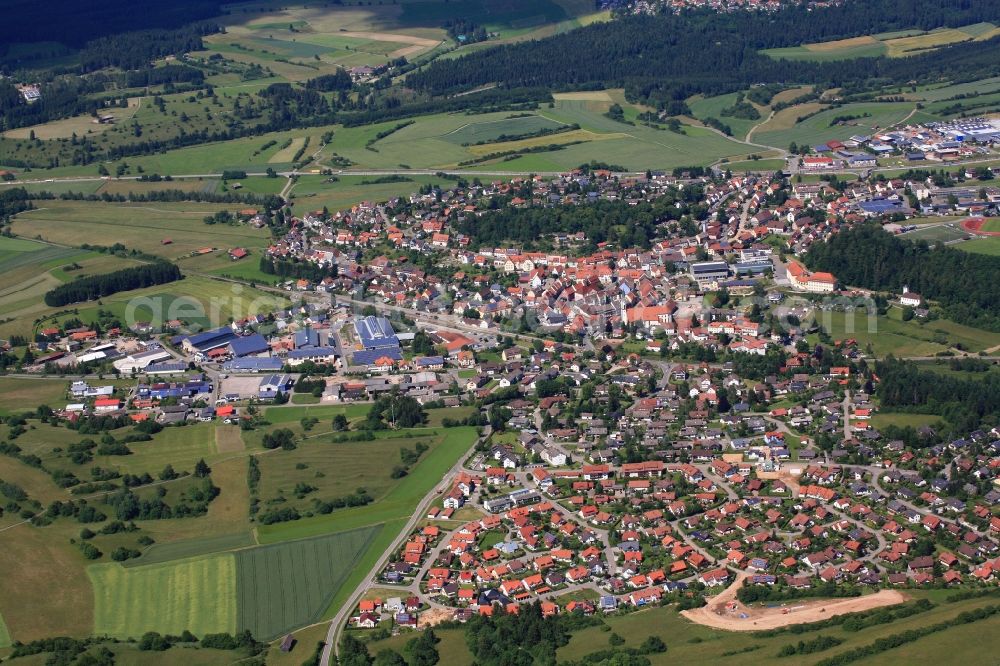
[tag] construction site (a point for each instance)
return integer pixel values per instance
(725, 611)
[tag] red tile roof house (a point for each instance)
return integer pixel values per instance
(715, 577)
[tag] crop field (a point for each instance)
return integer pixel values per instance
(892, 44)
(197, 300)
(162, 125)
(302, 42)
(398, 503)
(944, 92)
(56, 187)
(287, 585)
(283, 415)
(35, 268)
(126, 187)
(159, 553)
(491, 131)
(755, 165)
(843, 49)
(197, 594)
(904, 46)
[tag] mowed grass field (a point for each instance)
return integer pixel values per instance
(197, 594)
(334, 469)
(195, 299)
(137, 226)
(24, 394)
(784, 128)
(989, 246)
(434, 141)
(316, 192)
(902, 420)
(889, 334)
(4, 635)
(288, 585)
(712, 107)
(397, 503)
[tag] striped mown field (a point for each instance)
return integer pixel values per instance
(197, 594)
(288, 585)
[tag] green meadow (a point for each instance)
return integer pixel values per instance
(198, 595)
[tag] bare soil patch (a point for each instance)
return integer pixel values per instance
(725, 612)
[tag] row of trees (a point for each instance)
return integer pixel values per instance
(294, 268)
(96, 286)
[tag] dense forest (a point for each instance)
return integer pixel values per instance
(136, 50)
(617, 222)
(866, 256)
(13, 201)
(75, 23)
(293, 268)
(664, 58)
(965, 403)
(95, 286)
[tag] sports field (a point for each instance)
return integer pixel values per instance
(288, 585)
(989, 246)
(942, 233)
(197, 594)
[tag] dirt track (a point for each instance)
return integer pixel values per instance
(716, 614)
